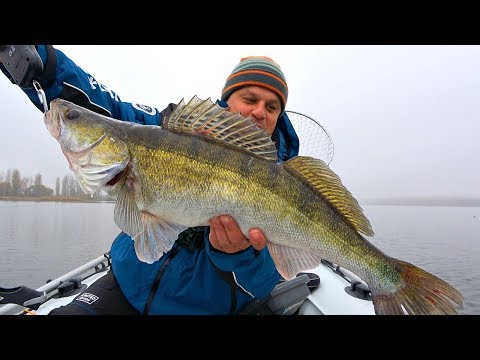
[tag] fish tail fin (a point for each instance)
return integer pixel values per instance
(422, 294)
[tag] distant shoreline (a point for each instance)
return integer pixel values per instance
(423, 201)
(410, 201)
(53, 199)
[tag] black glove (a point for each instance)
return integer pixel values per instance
(22, 62)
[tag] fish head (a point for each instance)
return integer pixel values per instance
(94, 147)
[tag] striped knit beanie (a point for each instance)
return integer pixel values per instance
(257, 71)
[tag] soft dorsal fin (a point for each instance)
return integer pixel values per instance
(324, 181)
(203, 117)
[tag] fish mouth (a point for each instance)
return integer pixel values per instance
(53, 124)
(96, 153)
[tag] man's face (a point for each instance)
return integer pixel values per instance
(261, 105)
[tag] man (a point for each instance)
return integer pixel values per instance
(209, 270)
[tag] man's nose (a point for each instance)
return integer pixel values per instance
(259, 112)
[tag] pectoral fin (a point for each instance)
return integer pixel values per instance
(126, 213)
(289, 261)
(152, 235)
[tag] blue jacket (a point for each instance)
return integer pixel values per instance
(191, 283)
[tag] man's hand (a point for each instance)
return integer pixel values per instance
(225, 235)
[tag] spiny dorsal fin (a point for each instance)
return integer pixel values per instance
(322, 179)
(203, 117)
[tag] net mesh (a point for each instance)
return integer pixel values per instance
(314, 139)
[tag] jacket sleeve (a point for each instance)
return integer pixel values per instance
(62, 78)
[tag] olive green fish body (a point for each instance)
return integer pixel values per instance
(257, 193)
(204, 161)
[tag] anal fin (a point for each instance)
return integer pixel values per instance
(289, 261)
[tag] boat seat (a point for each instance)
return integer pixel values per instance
(285, 298)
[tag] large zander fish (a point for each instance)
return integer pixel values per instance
(204, 161)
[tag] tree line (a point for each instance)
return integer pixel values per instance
(12, 183)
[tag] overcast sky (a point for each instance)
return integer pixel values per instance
(405, 120)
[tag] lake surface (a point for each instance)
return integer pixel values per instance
(43, 240)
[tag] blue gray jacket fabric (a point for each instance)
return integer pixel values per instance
(190, 284)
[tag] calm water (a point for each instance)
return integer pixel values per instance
(40, 241)
(43, 240)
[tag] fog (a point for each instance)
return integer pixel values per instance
(404, 120)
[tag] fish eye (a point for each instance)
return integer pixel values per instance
(72, 114)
